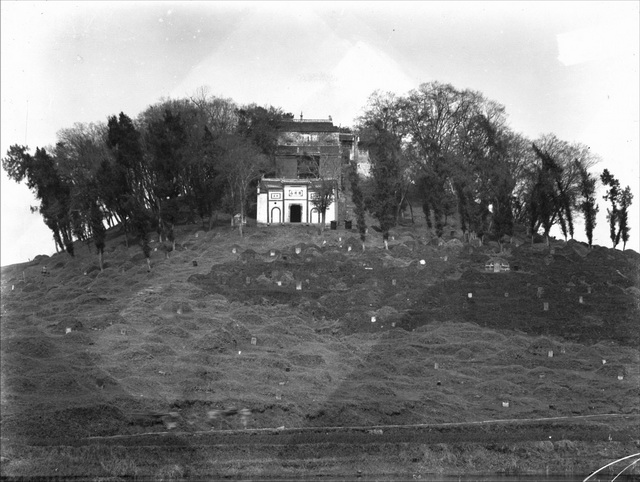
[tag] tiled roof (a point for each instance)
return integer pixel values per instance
(308, 127)
(266, 184)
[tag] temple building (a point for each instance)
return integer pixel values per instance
(311, 155)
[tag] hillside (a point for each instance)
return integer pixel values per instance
(348, 360)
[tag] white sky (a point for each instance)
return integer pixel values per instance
(568, 68)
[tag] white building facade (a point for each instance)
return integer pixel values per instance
(287, 201)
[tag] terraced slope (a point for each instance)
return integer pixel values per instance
(116, 372)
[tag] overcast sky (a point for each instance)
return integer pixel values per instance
(565, 68)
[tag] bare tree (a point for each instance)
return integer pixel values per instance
(324, 197)
(243, 164)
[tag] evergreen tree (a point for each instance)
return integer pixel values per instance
(623, 214)
(588, 204)
(358, 201)
(384, 152)
(613, 196)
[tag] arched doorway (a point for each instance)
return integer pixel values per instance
(295, 213)
(276, 215)
(315, 216)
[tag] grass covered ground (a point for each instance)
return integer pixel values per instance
(384, 362)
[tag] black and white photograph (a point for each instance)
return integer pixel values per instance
(320, 240)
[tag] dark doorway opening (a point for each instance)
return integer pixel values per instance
(295, 213)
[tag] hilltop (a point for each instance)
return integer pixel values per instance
(378, 360)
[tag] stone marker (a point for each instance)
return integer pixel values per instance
(423, 262)
(540, 291)
(505, 404)
(436, 365)
(620, 377)
(272, 253)
(299, 285)
(68, 330)
(580, 300)
(298, 250)
(254, 340)
(550, 354)
(469, 295)
(393, 282)
(234, 250)
(545, 306)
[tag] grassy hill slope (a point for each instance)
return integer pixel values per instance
(375, 360)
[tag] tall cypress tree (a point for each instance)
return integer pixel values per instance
(613, 196)
(588, 204)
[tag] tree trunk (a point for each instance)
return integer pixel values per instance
(126, 236)
(148, 264)
(101, 260)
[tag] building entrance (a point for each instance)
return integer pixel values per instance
(295, 213)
